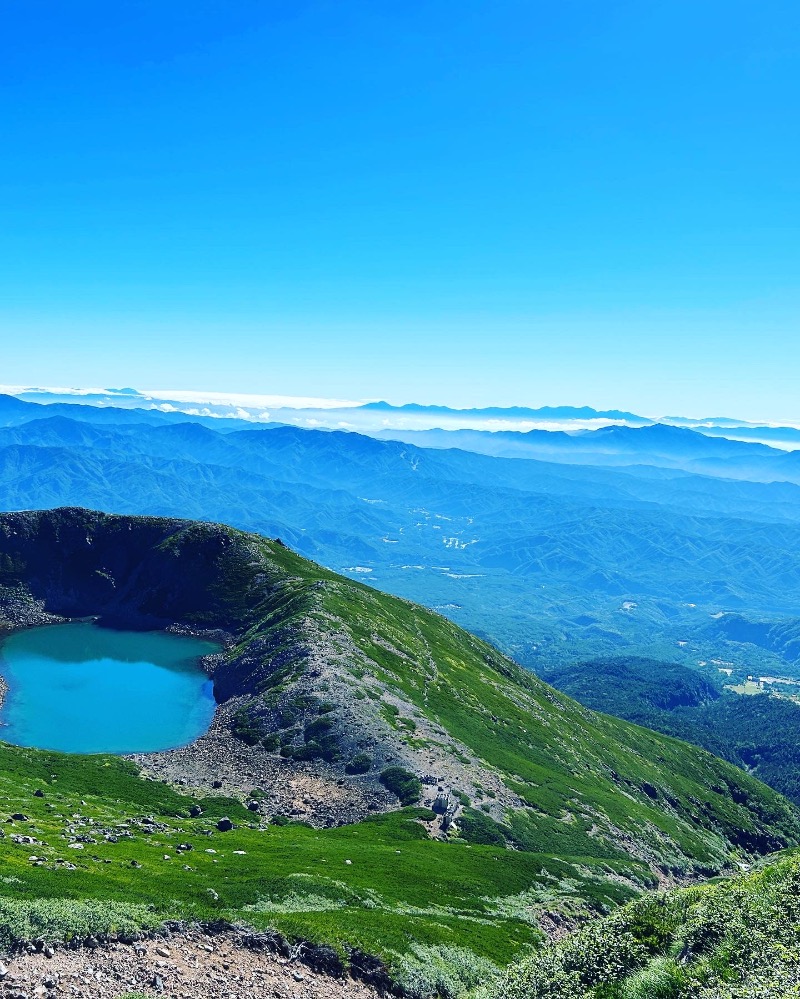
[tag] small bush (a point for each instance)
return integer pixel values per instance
(247, 727)
(402, 783)
(318, 729)
(475, 827)
(361, 763)
(661, 979)
(441, 971)
(287, 718)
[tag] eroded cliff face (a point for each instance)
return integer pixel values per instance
(140, 571)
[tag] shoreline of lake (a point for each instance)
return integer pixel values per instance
(75, 687)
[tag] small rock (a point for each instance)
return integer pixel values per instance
(38, 793)
(224, 824)
(163, 951)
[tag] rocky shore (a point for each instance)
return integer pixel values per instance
(218, 763)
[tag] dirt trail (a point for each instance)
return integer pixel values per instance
(190, 966)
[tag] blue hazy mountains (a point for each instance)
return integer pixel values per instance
(622, 538)
(661, 445)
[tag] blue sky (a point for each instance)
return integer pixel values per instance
(471, 203)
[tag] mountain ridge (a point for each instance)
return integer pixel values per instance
(344, 682)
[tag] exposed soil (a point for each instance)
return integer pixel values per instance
(218, 763)
(189, 966)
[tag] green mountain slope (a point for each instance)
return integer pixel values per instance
(760, 733)
(731, 939)
(337, 701)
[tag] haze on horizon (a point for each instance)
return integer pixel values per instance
(374, 415)
(464, 204)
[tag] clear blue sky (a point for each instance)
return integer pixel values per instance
(466, 202)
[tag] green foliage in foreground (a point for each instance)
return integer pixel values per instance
(729, 939)
(425, 906)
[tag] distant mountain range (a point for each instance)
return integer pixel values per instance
(513, 412)
(372, 417)
(616, 541)
(649, 569)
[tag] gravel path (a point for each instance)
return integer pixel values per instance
(191, 966)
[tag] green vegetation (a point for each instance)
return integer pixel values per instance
(400, 891)
(402, 783)
(566, 813)
(475, 827)
(558, 758)
(565, 780)
(361, 763)
(731, 939)
(759, 733)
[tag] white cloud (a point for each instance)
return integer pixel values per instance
(248, 401)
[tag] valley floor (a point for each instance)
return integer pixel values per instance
(190, 966)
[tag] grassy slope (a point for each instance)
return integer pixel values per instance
(599, 795)
(592, 786)
(617, 779)
(400, 888)
(730, 939)
(760, 733)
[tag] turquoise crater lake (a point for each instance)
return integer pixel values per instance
(79, 688)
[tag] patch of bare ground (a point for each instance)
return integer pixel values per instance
(218, 763)
(191, 965)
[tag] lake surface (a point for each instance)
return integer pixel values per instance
(79, 688)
